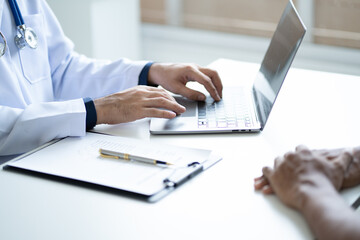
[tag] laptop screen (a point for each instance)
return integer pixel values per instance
(277, 61)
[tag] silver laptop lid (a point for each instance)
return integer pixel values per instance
(277, 61)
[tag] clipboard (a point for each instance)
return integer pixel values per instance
(76, 160)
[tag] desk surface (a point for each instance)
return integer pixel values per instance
(314, 108)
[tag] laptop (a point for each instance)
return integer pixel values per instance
(243, 109)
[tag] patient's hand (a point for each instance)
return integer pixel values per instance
(297, 171)
(352, 176)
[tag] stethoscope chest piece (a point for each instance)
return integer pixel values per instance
(26, 36)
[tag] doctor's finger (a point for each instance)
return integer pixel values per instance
(160, 102)
(192, 94)
(158, 113)
(159, 93)
(206, 81)
(215, 78)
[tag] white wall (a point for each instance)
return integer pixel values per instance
(101, 28)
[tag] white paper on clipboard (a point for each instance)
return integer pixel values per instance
(78, 158)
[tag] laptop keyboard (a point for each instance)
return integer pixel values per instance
(230, 113)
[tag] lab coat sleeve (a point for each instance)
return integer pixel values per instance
(25, 129)
(76, 76)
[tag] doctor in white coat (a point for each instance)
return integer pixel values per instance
(52, 92)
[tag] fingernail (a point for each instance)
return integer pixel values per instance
(173, 114)
(201, 98)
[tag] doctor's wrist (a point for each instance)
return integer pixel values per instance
(103, 108)
(91, 115)
(144, 78)
(154, 74)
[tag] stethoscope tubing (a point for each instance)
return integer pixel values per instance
(19, 21)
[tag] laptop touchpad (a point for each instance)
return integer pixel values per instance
(189, 105)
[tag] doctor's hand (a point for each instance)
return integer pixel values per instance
(296, 171)
(136, 103)
(174, 77)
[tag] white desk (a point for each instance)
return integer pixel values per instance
(316, 108)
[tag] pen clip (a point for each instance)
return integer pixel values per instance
(108, 156)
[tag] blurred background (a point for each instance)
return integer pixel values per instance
(202, 31)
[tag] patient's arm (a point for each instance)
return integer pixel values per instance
(327, 214)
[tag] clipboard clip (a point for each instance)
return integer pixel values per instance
(181, 175)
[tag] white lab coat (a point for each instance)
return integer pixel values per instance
(41, 90)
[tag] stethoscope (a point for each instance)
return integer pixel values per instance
(25, 36)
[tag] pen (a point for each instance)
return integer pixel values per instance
(118, 155)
